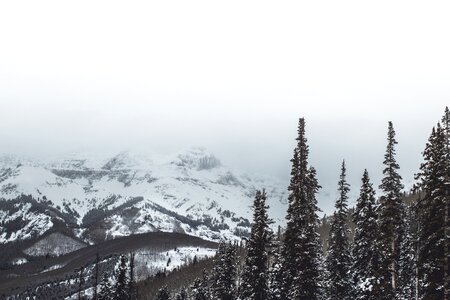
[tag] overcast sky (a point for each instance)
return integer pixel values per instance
(233, 76)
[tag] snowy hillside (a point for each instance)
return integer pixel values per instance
(191, 192)
(149, 262)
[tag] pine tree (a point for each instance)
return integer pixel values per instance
(105, 289)
(224, 273)
(390, 220)
(296, 192)
(121, 288)
(200, 288)
(432, 211)
(301, 249)
(255, 274)
(338, 259)
(364, 251)
(163, 294)
(308, 282)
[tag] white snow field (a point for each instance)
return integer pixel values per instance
(192, 184)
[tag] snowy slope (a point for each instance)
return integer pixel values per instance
(129, 193)
(149, 262)
(55, 244)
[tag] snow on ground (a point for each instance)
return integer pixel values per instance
(55, 244)
(175, 182)
(148, 263)
(19, 261)
(34, 224)
(192, 184)
(54, 267)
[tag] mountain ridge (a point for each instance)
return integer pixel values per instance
(128, 193)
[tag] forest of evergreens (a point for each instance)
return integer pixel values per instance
(399, 250)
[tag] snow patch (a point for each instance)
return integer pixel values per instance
(55, 244)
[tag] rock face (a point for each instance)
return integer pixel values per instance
(102, 198)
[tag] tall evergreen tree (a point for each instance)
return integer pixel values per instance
(301, 249)
(390, 220)
(121, 288)
(255, 274)
(224, 273)
(308, 282)
(365, 253)
(338, 258)
(432, 211)
(290, 245)
(296, 192)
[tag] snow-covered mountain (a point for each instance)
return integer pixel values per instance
(99, 198)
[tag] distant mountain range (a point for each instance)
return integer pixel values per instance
(97, 198)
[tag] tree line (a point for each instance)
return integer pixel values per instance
(398, 251)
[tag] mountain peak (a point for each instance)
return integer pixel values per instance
(197, 158)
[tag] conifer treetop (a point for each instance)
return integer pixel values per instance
(344, 188)
(391, 183)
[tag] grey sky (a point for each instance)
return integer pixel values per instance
(231, 76)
